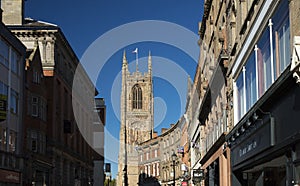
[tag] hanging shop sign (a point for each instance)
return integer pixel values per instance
(198, 175)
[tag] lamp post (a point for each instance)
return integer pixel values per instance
(174, 157)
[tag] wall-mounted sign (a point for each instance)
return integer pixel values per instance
(253, 144)
(9, 176)
(198, 175)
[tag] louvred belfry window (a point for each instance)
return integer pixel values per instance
(136, 97)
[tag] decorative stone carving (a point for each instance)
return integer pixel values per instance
(295, 66)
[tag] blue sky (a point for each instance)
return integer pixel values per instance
(84, 22)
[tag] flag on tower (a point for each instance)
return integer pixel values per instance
(136, 58)
(135, 51)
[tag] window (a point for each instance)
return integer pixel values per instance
(15, 62)
(34, 141)
(34, 106)
(14, 99)
(149, 170)
(3, 89)
(147, 156)
(4, 52)
(12, 141)
(270, 57)
(136, 97)
(155, 153)
(38, 107)
(281, 38)
(297, 174)
(154, 169)
(36, 77)
(250, 82)
(264, 62)
(157, 169)
(3, 100)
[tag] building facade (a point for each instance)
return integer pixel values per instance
(136, 119)
(214, 108)
(170, 158)
(12, 57)
(37, 165)
(67, 126)
(149, 161)
(100, 120)
(264, 142)
(249, 70)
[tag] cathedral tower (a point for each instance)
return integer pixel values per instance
(136, 119)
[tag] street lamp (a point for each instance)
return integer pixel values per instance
(174, 157)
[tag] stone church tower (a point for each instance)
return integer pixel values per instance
(136, 120)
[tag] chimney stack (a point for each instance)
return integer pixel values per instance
(13, 12)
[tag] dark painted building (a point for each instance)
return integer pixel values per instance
(265, 140)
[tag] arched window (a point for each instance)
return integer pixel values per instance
(137, 97)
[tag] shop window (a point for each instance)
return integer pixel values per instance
(297, 174)
(270, 58)
(268, 173)
(281, 38)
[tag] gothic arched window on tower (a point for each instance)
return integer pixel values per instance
(137, 97)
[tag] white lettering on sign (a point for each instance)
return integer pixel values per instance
(247, 148)
(12, 177)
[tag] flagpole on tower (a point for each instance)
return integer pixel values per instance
(136, 58)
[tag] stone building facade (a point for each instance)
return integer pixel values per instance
(214, 107)
(149, 161)
(209, 126)
(136, 119)
(248, 73)
(169, 144)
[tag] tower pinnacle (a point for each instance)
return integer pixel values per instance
(124, 58)
(149, 62)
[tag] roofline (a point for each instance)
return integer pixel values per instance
(60, 33)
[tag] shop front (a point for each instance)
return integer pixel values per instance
(216, 164)
(265, 144)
